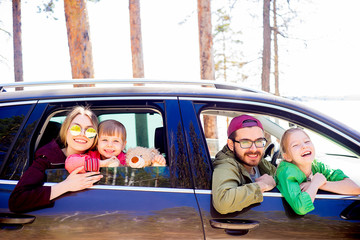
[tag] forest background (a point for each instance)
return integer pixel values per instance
(318, 48)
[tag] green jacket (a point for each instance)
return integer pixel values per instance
(232, 188)
(289, 177)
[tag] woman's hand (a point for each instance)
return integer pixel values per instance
(78, 181)
(75, 182)
(158, 160)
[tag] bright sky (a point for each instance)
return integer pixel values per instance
(326, 66)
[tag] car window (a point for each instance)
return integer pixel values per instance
(335, 156)
(272, 129)
(141, 128)
(123, 176)
(11, 118)
(138, 134)
(327, 151)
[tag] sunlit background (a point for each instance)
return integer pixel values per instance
(318, 59)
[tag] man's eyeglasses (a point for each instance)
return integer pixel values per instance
(247, 143)
(76, 130)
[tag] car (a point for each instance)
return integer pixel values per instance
(172, 202)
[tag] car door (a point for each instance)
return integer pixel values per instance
(335, 216)
(149, 203)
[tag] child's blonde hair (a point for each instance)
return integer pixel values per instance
(112, 127)
(286, 135)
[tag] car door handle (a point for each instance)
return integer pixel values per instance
(12, 221)
(234, 226)
(351, 212)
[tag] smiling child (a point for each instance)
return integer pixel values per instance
(300, 176)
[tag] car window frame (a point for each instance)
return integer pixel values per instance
(159, 104)
(303, 117)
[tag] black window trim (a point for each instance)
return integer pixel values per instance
(31, 109)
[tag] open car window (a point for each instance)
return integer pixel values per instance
(122, 176)
(143, 127)
(327, 151)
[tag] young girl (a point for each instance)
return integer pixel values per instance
(111, 144)
(300, 176)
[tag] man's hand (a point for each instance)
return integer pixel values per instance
(266, 182)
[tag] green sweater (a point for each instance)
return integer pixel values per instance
(289, 177)
(232, 188)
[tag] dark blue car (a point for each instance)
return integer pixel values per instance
(172, 202)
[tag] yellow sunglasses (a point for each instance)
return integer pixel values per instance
(76, 130)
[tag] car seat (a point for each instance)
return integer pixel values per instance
(160, 140)
(51, 132)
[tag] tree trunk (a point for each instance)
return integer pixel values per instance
(18, 64)
(266, 59)
(276, 54)
(138, 67)
(206, 59)
(205, 38)
(80, 48)
(136, 39)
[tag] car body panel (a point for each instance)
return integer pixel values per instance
(278, 221)
(116, 213)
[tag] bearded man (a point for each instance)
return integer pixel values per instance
(241, 175)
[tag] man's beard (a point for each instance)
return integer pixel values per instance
(240, 159)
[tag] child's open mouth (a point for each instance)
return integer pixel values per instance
(108, 151)
(308, 153)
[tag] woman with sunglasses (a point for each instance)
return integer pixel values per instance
(30, 194)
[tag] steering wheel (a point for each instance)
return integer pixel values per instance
(272, 152)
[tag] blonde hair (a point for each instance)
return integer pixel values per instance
(112, 127)
(286, 136)
(78, 110)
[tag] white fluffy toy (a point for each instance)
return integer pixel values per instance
(140, 157)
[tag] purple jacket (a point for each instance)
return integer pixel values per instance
(30, 194)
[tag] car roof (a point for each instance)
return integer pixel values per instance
(137, 81)
(208, 89)
(64, 89)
